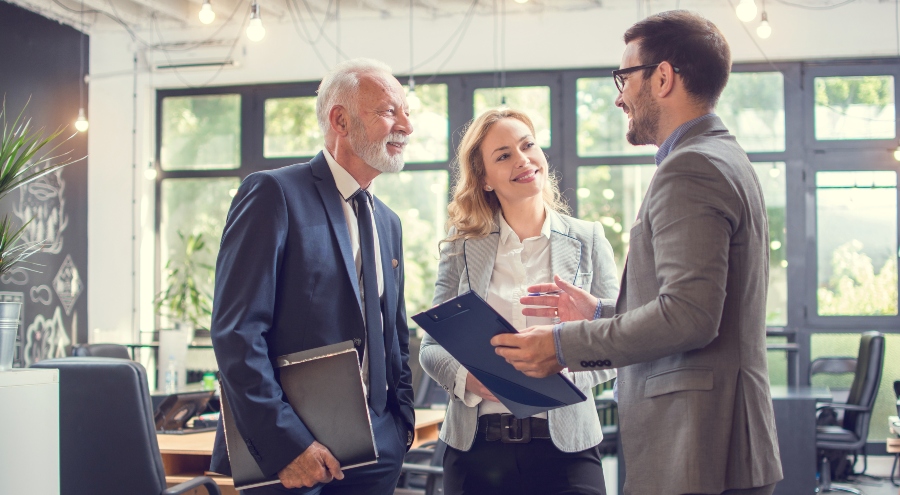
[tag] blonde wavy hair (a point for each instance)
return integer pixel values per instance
(473, 209)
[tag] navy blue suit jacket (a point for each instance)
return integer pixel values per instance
(286, 282)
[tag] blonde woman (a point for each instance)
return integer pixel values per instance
(508, 233)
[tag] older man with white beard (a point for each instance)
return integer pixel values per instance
(309, 257)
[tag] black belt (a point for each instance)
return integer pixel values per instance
(508, 429)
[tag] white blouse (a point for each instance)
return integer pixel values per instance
(519, 264)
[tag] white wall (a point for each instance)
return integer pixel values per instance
(588, 38)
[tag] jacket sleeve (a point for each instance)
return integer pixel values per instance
(604, 286)
(249, 260)
(435, 361)
(691, 217)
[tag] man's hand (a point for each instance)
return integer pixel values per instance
(476, 387)
(572, 304)
(314, 465)
(532, 352)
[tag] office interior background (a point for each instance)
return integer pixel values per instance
(179, 111)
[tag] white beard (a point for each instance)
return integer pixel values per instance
(375, 153)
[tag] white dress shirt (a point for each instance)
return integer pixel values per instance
(518, 265)
(347, 187)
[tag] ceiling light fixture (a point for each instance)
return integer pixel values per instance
(897, 154)
(255, 31)
(81, 124)
(207, 15)
(746, 10)
(764, 30)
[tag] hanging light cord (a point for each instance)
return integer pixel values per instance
(411, 3)
(81, 65)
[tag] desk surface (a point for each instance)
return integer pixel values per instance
(202, 443)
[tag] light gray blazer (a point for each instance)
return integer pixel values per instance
(689, 342)
(579, 253)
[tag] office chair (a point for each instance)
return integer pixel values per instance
(852, 434)
(101, 350)
(107, 437)
(429, 394)
(422, 472)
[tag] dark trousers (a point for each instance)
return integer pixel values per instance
(536, 467)
(374, 479)
(763, 490)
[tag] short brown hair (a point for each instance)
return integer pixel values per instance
(689, 42)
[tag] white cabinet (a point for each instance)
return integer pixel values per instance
(29, 431)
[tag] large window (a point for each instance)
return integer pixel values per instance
(820, 137)
(856, 234)
(420, 200)
(291, 127)
(855, 107)
(601, 125)
(201, 132)
(534, 100)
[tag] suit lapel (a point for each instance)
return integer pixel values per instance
(331, 199)
(480, 255)
(565, 251)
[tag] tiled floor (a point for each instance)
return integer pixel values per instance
(879, 466)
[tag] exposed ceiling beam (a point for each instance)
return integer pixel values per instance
(174, 9)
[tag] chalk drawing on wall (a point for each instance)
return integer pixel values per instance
(42, 294)
(44, 203)
(46, 338)
(16, 276)
(67, 284)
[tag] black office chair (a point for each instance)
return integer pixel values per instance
(852, 434)
(430, 395)
(422, 472)
(107, 437)
(101, 350)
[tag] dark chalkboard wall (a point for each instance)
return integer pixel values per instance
(40, 60)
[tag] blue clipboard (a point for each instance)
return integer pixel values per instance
(464, 327)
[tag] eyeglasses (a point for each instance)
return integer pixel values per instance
(620, 81)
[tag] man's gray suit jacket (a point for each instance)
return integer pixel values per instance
(689, 333)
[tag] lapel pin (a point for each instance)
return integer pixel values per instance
(394, 263)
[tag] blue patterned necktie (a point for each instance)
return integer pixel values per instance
(372, 303)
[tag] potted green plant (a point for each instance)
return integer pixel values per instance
(185, 300)
(26, 154)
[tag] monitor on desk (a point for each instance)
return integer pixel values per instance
(174, 411)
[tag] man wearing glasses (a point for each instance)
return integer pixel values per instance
(688, 331)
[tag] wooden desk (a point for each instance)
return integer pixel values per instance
(187, 456)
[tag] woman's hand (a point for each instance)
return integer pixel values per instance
(571, 304)
(474, 385)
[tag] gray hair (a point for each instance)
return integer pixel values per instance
(340, 86)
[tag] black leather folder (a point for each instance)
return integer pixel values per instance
(464, 327)
(325, 388)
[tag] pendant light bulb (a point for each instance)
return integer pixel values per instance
(255, 31)
(764, 30)
(207, 15)
(897, 154)
(81, 124)
(521, 1)
(746, 10)
(412, 99)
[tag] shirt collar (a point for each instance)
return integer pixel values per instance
(506, 230)
(346, 184)
(677, 134)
